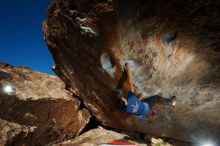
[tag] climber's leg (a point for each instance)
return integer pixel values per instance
(167, 101)
(160, 100)
(152, 100)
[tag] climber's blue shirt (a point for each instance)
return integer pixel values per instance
(137, 107)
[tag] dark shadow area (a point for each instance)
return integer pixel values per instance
(93, 123)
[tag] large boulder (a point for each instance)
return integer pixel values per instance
(174, 50)
(35, 108)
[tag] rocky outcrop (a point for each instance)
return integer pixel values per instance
(35, 108)
(99, 136)
(174, 50)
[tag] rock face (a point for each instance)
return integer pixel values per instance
(174, 50)
(37, 110)
(99, 136)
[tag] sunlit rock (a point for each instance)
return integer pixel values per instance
(100, 137)
(35, 108)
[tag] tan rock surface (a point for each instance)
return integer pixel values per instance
(41, 102)
(8, 130)
(98, 136)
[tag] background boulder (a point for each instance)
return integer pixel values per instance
(36, 109)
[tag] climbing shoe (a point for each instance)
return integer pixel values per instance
(173, 99)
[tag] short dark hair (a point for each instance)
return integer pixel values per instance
(120, 104)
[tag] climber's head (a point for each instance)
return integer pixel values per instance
(120, 103)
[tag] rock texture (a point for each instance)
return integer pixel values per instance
(99, 136)
(174, 50)
(39, 110)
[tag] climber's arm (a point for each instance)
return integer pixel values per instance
(129, 77)
(141, 96)
(121, 80)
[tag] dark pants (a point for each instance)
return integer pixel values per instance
(157, 100)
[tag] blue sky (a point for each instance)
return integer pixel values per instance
(21, 35)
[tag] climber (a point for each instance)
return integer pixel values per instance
(140, 107)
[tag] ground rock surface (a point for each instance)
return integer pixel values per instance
(174, 50)
(39, 110)
(99, 136)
